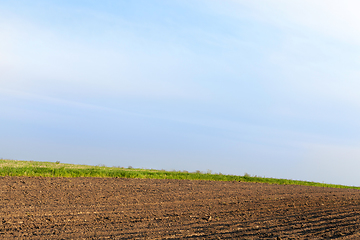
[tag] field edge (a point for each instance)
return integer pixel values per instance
(57, 169)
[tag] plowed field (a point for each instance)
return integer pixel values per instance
(116, 208)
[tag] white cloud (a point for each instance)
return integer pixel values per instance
(40, 60)
(338, 19)
(50, 100)
(318, 69)
(318, 55)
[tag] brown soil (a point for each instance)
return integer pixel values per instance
(116, 208)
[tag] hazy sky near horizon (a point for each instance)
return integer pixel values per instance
(266, 87)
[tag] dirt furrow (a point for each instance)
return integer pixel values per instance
(115, 208)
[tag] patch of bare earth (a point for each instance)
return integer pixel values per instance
(116, 208)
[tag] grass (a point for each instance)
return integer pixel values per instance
(57, 169)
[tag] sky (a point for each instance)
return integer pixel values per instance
(266, 87)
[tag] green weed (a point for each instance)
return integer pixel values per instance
(57, 169)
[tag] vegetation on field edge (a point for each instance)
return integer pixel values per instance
(50, 169)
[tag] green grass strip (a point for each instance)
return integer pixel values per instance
(49, 169)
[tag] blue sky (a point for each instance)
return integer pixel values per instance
(264, 87)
